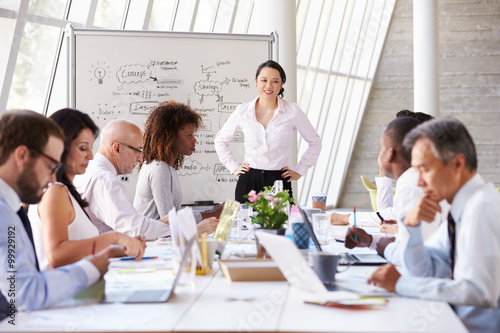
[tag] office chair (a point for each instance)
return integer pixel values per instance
(372, 189)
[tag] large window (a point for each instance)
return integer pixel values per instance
(338, 48)
(339, 43)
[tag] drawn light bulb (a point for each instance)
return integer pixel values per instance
(99, 73)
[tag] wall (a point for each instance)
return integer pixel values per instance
(469, 86)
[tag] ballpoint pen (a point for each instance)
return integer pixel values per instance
(382, 221)
(133, 258)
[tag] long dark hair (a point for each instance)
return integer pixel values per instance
(161, 130)
(276, 66)
(72, 122)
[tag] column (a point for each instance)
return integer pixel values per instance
(426, 56)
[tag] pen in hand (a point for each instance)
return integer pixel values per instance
(382, 221)
(133, 258)
(93, 248)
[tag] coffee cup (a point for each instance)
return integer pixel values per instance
(326, 266)
(319, 201)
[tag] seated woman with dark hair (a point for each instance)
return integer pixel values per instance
(62, 230)
(168, 137)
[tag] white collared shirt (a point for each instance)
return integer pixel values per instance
(268, 148)
(109, 207)
(475, 289)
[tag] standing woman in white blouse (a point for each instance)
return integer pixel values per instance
(268, 124)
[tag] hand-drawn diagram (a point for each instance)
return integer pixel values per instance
(137, 88)
(134, 74)
(192, 167)
(209, 88)
(100, 71)
(222, 174)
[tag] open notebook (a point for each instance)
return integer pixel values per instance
(152, 295)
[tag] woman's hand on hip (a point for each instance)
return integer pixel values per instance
(244, 167)
(290, 173)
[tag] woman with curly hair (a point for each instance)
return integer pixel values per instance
(62, 230)
(168, 138)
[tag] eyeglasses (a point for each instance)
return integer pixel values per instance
(57, 166)
(139, 150)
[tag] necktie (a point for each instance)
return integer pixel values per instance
(27, 226)
(451, 243)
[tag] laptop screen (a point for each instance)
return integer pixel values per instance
(310, 229)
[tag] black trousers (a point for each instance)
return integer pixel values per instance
(256, 179)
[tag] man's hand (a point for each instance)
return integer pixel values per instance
(386, 276)
(363, 238)
(389, 228)
(164, 219)
(425, 210)
(214, 212)
(339, 219)
(207, 226)
(382, 244)
(100, 261)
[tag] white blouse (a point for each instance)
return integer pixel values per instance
(268, 148)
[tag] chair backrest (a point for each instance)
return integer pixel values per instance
(368, 184)
(372, 190)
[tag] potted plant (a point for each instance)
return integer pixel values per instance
(272, 209)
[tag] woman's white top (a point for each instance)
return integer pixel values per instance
(80, 228)
(268, 148)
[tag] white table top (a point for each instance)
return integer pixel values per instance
(217, 304)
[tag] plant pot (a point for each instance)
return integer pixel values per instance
(280, 231)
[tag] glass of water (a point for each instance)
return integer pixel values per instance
(321, 222)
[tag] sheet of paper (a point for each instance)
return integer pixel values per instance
(187, 223)
(187, 226)
(174, 228)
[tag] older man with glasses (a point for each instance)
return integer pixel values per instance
(460, 263)
(109, 207)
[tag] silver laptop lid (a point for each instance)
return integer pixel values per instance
(291, 262)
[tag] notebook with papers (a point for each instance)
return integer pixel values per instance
(300, 274)
(152, 295)
(355, 259)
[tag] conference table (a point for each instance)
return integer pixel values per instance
(212, 303)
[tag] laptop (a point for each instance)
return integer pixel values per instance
(300, 274)
(354, 259)
(152, 295)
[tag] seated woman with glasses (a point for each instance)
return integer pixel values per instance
(62, 230)
(168, 137)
